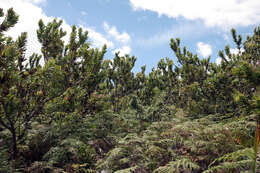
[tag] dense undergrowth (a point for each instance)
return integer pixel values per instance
(80, 113)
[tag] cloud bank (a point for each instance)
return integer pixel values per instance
(221, 13)
(204, 49)
(28, 22)
(122, 39)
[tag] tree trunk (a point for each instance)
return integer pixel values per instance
(14, 144)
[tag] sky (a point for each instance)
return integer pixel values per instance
(142, 28)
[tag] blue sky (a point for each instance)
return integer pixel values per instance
(143, 28)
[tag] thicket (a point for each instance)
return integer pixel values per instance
(79, 112)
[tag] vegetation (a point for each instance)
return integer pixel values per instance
(80, 113)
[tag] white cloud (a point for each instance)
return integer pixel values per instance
(112, 31)
(233, 51)
(122, 40)
(226, 37)
(28, 21)
(220, 13)
(83, 13)
(123, 51)
(98, 39)
(176, 31)
(204, 49)
(218, 60)
(36, 1)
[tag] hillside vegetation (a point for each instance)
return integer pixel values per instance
(78, 112)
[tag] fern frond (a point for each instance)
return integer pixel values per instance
(178, 166)
(128, 170)
(239, 160)
(243, 165)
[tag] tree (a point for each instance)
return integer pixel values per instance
(22, 96)
(80, 65)
(50, 37)
(121, 80)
